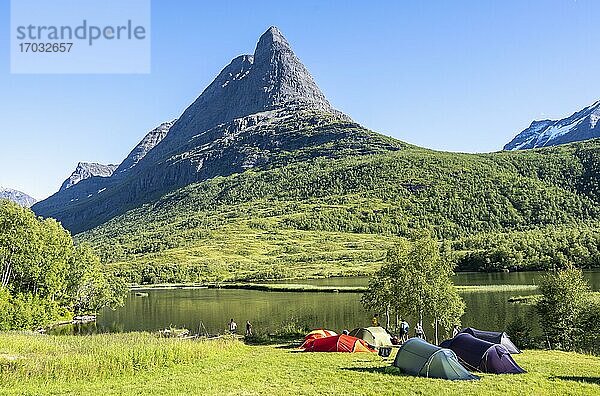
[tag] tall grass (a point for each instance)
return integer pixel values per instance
(495, 288)
(140, 364)
(60, 358)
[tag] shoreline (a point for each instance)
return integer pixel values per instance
(305, 288)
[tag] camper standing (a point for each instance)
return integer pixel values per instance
(404, 328)
(248, 329)
(232, 327)
(419, 331)
(455, 331)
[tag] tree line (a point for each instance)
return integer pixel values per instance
(44, 276)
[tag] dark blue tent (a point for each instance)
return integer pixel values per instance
(493, 336)
(482, 355)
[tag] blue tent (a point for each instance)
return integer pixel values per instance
(482, 355)
(493, 336)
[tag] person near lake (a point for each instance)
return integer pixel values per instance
(419, 333)
(375, 320)
(248, 329)
(232, 326)
(404, 328)
(455, 330)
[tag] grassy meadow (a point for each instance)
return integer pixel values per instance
(142, 364)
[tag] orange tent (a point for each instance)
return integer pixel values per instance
(338, 343)
(313, 335)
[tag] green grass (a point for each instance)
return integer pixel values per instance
(268, 287)
(140, 364)
(240, 253)
(531, 299)
(594, 297)
(495, 288)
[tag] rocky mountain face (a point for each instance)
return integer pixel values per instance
(582, 125)
(89, 180)
(262, 110)
(17, 196)
(85, 170)
(149, 141)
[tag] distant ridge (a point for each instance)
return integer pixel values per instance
(582, 125)
(17, 196)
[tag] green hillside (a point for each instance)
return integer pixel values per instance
(336, 216)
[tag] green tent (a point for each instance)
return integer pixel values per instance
(420, 358)
(374, 336)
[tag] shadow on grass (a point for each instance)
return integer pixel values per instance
(389, 370)
(588, 380)
(282, 342)
(294, 346)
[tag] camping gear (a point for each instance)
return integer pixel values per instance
(318, 333)
(494, 337)
(385, 351)
(374, 336)
(482, 355)
(419, 358)
(338, 343)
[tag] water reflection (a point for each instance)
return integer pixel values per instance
(211, 309)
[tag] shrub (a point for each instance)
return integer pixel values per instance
(520, 333)
(562, 302)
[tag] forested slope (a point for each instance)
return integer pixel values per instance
(336, 216)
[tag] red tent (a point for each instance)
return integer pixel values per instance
(313, 335)
(337, 343)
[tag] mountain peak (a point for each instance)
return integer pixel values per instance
(273, 34)
(271, 40)
(261, 108)
(85, 170)
(282, 79)
(582, 125)
(272, 78)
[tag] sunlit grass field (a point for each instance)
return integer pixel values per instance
(142, 364)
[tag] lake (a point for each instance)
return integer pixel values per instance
(211, 309)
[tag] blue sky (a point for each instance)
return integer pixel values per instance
(458, 76)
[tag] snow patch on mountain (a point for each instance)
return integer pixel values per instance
(17, 196)
(582, 125)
